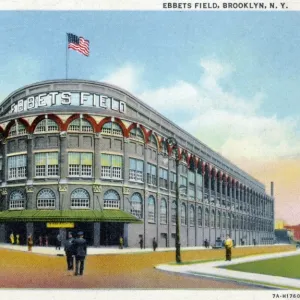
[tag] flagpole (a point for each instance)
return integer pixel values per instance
(67, 56)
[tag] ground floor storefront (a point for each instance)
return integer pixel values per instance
(105, 227)
(101, 228)
(96, 234)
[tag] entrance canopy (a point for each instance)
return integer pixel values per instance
(107, 215)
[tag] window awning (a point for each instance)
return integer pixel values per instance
(107, 215)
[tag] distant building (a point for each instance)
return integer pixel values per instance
(295, 230)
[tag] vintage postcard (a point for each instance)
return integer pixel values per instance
(152, 148)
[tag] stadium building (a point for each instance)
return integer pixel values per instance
(83, 155)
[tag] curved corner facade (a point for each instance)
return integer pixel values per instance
(92, 155)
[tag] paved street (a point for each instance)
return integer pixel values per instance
(21, 269)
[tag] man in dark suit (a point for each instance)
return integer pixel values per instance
(80, 246)
(69, 250)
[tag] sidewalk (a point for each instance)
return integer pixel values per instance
(107, 250)
(213, 269)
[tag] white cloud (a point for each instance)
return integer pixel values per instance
(224, 121)
(126, 77)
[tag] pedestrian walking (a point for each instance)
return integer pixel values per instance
(46, 241)
(12, 238)
(141, 242)
(69, 250)
(17, 239)
(40, 241)
(30, 242)
(80, 253)
(58, 242)
(121, 242)
(154, 244)
(228, 247)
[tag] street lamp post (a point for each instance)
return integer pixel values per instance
(172, 142)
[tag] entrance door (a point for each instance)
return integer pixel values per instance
(41, 230)
(87, 229)
(110, 233)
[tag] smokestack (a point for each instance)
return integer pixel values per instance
(272, 188)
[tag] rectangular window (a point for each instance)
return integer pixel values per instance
(17, 166)
(184, 169)
(136, 170)
(163, 178)
(173, 181)
(151, 174)
(183, 185)
(191, 176)
(111, 166)
(80, 164)
(46, 164)
(191, 193)
(199, 180)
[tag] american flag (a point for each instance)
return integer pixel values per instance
(78, 44)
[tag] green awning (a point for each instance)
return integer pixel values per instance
(106, 215)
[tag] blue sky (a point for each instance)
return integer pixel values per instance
(250, 59)
(263, 48)
(229, 78)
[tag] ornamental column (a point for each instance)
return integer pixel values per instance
(30, 203)
(63, 157)
(95, 205)
(5, 162)
(30, 159)
(209, 203)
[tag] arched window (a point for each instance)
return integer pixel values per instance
(46, 125)
(112, 128)
(137, 205)
(164, 148)
(80, 198)
(46, 199)
(153, 141)
(80, 125)
(137, 134)
(224, 220)
(111, 199)
(151, 209)
(218, 219)
(206, 218)
(17, 200)
(200, 218)
(17, 129)
(212, 219)
(173, 212)
(183, 214)
(192, 216)
(163, 211)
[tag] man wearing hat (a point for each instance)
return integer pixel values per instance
(69, 252)
(80, 246)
